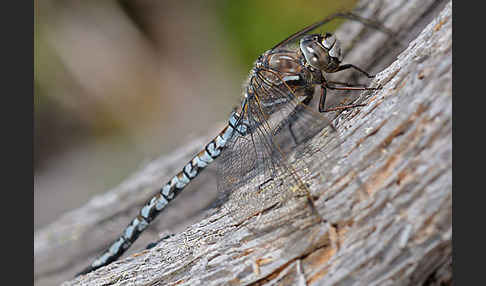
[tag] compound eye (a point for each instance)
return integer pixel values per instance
(314, 52)
(314, 61)
(328, 41)
(311, 55)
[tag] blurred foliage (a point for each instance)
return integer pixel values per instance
(254, 26)
(249, 28)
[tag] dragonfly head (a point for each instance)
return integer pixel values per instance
(322, 52)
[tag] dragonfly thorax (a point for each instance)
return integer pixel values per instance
(321, 52)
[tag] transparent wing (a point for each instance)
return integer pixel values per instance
(269, 164)
(294, 38)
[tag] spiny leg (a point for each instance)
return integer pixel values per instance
(344, 83)
(309, 94)
(350, 66)
(322, 99)
(350, 87)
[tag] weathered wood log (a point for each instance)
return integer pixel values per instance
(387, 201)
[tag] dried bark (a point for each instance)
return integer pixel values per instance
(388, 205)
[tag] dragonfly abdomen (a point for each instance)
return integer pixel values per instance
(166, 194)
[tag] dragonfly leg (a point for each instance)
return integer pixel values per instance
(351, 87)
(309, 94)
(347, 86)
(344, 83)
(350, 66)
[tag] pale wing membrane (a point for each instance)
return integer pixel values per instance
(294, 123)
(292, 39)
(258, 169)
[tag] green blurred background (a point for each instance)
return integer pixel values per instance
(118, 83)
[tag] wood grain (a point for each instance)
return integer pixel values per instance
(387, 201)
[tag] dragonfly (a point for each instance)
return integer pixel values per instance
(274, 117)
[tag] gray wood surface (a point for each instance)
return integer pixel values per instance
(383, 185)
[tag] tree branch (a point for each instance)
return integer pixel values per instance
(387, 204)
